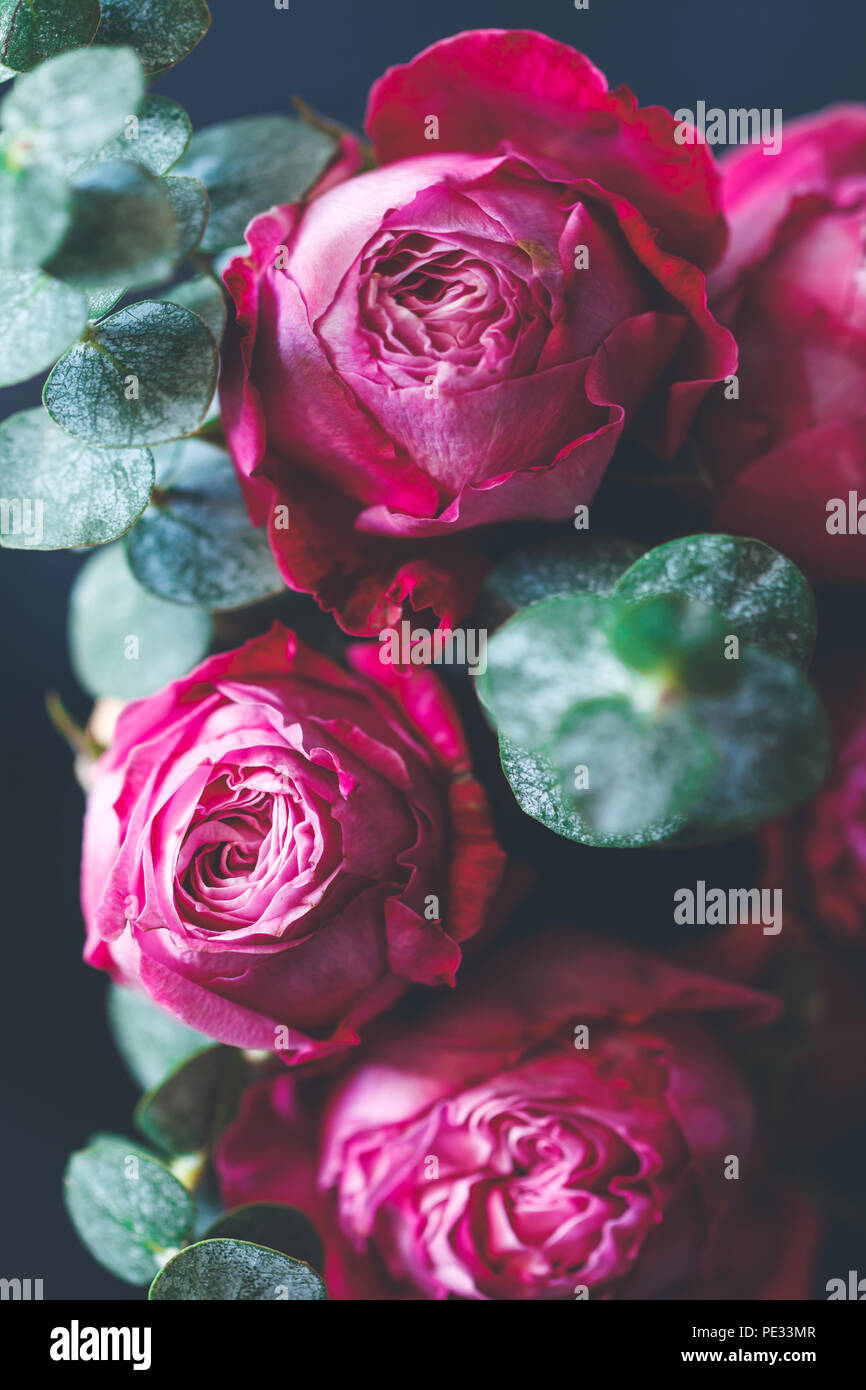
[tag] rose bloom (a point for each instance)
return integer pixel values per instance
(263, 838)
(480, 1151)
(792, 289)
(460, 336)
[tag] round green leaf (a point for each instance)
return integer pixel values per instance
(772, 748)
(100, 302)
(680, 641)
(39, 318)
(145, 375)
(119, 1142)
(190, 1108)
(128, 1210)
(204, 296)
(234, 1270)
(123, 641)
(248, 165)
(124, 229)
(582, 564)
(539, 791)
(762, 596)
(155, 138)
(198, 512)
(283, 1228)
(151, 1042)
(544, 660)
(189, 203)
(34, 216)
(66, 108)
(161, 31)
(33, 30)
(633, 775)
(77, 495)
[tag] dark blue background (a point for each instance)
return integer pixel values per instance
(61, 1077)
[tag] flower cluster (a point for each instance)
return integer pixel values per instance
(454, 326)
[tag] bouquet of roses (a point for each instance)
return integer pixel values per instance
(381, 688)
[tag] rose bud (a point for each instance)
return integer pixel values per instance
(565, 1125)
(460, 336)
(275, 849)
(788, 456)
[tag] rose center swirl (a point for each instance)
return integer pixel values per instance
(427, 304)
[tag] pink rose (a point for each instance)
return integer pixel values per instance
(483, 1152)
(791, 288)
(275, 849)
(460, 336)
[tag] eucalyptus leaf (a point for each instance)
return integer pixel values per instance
(191, 1107)
(189, 203)
(539, 791)
(279, 1227)
(145, 375)
(151, 1042)
(124, 228)
(33, 30)
(155, 138)
(205, 297)
(39, 318)
(762, 597)
(66, 108)
(198, 513)
(579, 564)
(772, 746)
(632, 772)
(121, 1144)
(101, 302)
(625, 723)
(34, 216)
(249, 164)
(78, 495)
(681, 642)
(128, 1210)
(234, 1270)
(162, 32)
(547, 658)
(123, 641)
(722, 767)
